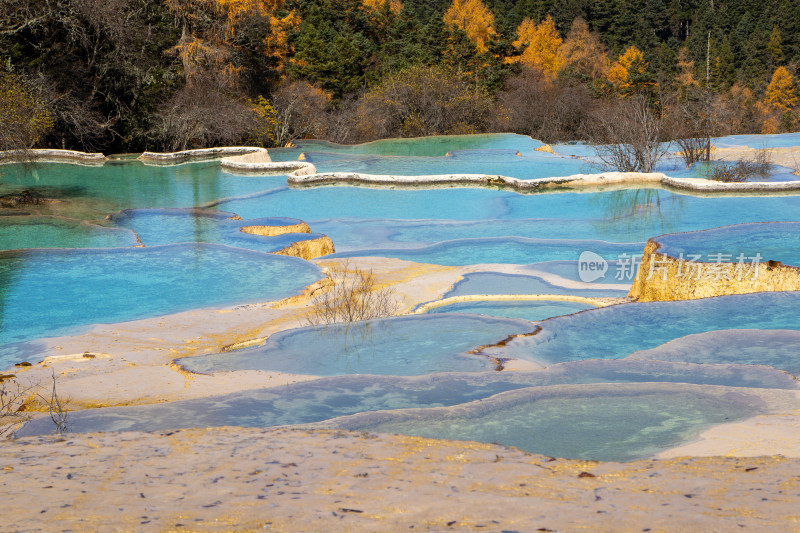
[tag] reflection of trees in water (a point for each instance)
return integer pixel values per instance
(353, 342)
(641, 213)
(10, 264)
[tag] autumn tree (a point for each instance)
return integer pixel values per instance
(422, 101)
(299, 111)
(781, 93)
(395, 6)
(582, 52)
(686, 81)
(23, 115)
(629, 73)
(541, 43)
(474, 19)
(532, 103)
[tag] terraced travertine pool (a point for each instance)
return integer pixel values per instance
(125, 241)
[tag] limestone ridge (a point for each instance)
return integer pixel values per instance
(662, 277)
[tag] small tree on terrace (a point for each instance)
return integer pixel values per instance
(629, 136)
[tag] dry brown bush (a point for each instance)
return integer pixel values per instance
(353, 296)
(422, 101)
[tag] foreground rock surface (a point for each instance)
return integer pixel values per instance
(234, 479)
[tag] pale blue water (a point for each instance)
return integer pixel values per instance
(322, 399)
(403, 346)
(510, 250)
(50, 293)
(619, 422)
(46, 293)
(702, 170)
(493, 162)
(524, 310)
(775, 348)
(170, 226)
(620, 330)
(494, 283)
(779, 241)
(780, 140)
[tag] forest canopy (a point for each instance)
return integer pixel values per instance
(130, 75)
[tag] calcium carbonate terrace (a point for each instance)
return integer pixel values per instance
(130, 240)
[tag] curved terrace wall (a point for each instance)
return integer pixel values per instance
(665, 278)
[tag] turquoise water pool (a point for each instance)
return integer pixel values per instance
(779, 241)
(326, 398)
(44, 293)
(402, 346)
(495, 283)
(173, 226)
(620, 330)
(619, 422)
(525, 310)
(105, 279)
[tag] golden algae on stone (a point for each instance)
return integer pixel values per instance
(665, 278)
(309, 249)
(272, 231)
(544, 148)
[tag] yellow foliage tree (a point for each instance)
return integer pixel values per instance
(542, 42)
(24, 117)
(685, 78)
(209, 47)
(396, 6)
(474, 19)
(628, 73)
(582, 51)
(781, 93)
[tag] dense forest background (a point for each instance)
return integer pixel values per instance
(129, 75)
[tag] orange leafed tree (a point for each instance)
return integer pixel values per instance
(685, 78)
(781, 93)
(582, 51)
(542, 42)
(474, 19)
(396, 6)
(628, 71)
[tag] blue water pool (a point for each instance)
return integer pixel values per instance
(326, 398)
(779, 241)
(400, 346)
(171, 226)
(619, 422)
(526, 310)
(620, 330)
(52, 292)
(495, 283)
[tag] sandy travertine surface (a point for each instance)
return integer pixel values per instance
(233, 479)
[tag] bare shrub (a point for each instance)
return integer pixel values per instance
(732, 172)
(13, 398)
(353, 296)
(759, 165)
(422, 101)
(531, 103)
(204, 113)
(629, 136)
(300, 111)
(56, 406)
